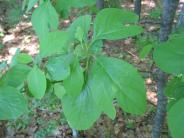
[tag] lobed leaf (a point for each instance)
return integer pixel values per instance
(108, 78)
(122, 75)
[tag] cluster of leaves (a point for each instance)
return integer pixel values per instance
(169, 56)
(74, 68)
(11, 10)
(155, 13)
(62, 7)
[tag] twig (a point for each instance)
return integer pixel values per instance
(169, 10)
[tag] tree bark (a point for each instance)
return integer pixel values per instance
(100, 4)
(180, 22)
(137, 7)
(169, 10)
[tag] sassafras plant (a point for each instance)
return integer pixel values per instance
(86, 81)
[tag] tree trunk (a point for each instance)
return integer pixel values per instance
(137, 7)
(169, 10)
(181, 18)
(100, 4)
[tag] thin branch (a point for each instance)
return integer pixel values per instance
(169, 10)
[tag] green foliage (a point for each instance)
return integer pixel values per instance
(73, 84)
(23, 58)
(30, 5)
(174, 91)
(174, 88)
(169, 56)
(13, 12)
(59, 67)
(59, 90)
(46, 130)
(52, 44)
(16, 75)
(145, 44)
(155, 13)
(44, 19)
(145, 51)
(175, 119)
(81, 24)
(3, 66)
(12, 103)
(63, 6)
(114, 24)
(113, 76)
(112, 3)
(85, 80)
(36, 82)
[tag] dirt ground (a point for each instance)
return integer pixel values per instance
(50, 122)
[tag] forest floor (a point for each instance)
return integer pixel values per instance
(47, 122)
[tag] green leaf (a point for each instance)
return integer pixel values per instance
(174, 88)
(59, 90)
(16, 75)
(44, 19)
(59, 67)
(31, 4)
(74, 83)
(81, 52)
(82, 22)
(54, 43)
(14, 58)
(175, 119)
(3, 66)
(122, 76)
(13, 13)
(103, 90)
(12, 103)
(24, 58)
(81, 112)
(79, 35)
(63, 7)
(108, 78)
(36, 83)
(96, 48)
(113, 24)
(82, 3)
(169, 56)
(145, 51)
